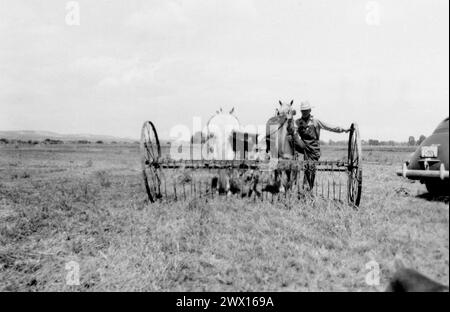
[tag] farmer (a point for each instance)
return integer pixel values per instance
(305, 137)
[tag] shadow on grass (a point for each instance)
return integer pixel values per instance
(434, 198)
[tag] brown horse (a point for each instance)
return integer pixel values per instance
(278, 146)
(277, 139)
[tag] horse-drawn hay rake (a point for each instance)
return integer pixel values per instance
(168, 180)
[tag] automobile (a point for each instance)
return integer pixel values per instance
(429, 163)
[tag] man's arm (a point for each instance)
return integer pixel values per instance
(329, 127)
(294, 137)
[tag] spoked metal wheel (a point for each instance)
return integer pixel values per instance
(354, 166)
(150, 155)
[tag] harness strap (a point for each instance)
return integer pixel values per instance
(281, 125)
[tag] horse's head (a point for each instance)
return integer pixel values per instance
(220, 129)
(222, 123)
(286, 110)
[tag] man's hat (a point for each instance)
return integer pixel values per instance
(305, 105)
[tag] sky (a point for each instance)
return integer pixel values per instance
(106, 66)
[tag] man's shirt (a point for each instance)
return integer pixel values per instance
(312, 126)
(309, 132)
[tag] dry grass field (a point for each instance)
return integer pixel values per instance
(87, 203)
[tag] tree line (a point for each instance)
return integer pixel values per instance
(199, 137)
(53, 141)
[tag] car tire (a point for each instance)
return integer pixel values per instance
(437, 187)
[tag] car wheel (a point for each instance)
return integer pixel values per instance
(437, 187)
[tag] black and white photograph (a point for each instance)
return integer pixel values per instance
(224, 151)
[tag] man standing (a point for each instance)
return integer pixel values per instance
(305, 137)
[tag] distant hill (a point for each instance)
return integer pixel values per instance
(26, 135)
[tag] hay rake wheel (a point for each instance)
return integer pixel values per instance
(354, 166)
(169, 180)
(151, 154)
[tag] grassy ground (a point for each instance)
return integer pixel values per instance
(87, 204)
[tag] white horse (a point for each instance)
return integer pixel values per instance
(220, 129)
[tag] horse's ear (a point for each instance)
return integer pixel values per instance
(221, 110)
(292, 102)
(280, 103)
(232, 111)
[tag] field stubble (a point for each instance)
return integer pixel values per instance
(88, 205)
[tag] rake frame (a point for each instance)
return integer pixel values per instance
(155, 179)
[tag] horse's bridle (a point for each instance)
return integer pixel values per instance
(281, 126)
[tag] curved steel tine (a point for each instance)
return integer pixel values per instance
(334, 190)
(175, 190)
(322, 187)
(195, 190)
(209, 181)
(316, 186)
(328, 195)
(165, 188)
